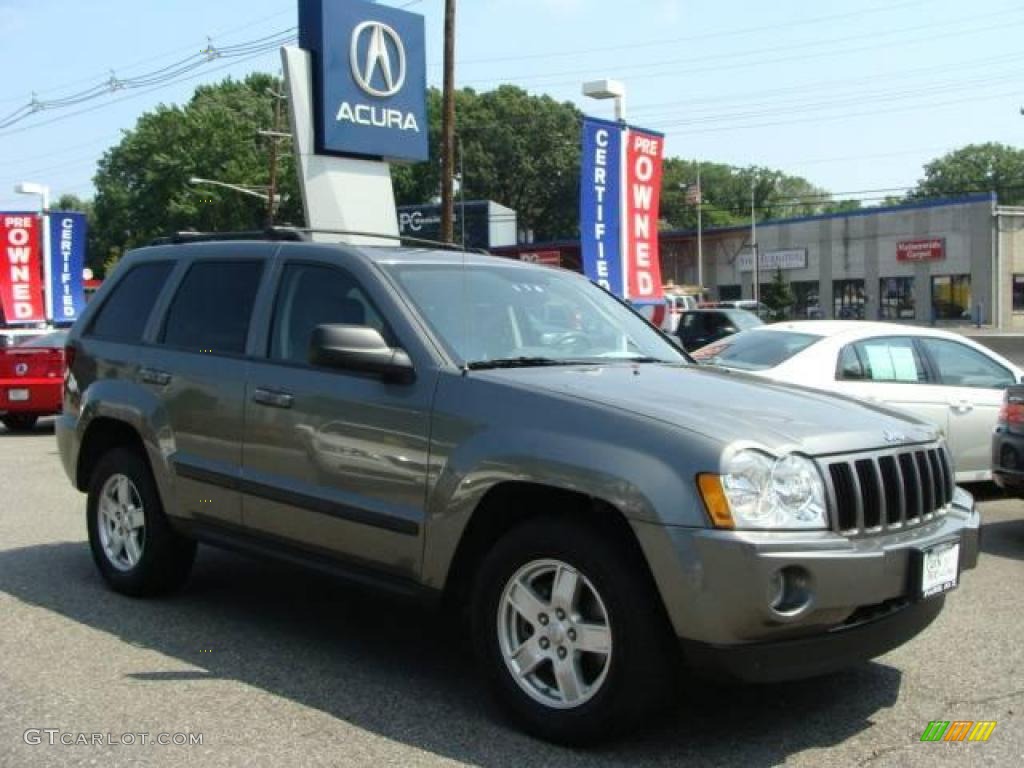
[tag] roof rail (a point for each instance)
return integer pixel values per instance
(304, 234)
(272, 233)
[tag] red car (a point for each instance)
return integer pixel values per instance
(31, 381)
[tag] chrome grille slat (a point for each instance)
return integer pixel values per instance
(878, 491)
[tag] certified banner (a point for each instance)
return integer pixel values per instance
(601, 204)
(643, 201)
(68, 232)
(21, 293)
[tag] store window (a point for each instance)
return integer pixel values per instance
(951, 297)
(896, 295)
(848, 299)
(806, 300)
(730, 292)
(1018, 293)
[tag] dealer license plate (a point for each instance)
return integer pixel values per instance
(940, 569)
(17, 395)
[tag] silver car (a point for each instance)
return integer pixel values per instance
(938, 376)
(514, 444)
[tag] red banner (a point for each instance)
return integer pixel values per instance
(921, 250)
(21, 292)
(548, 258)
(643, 204)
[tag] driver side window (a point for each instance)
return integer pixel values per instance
(310, 295)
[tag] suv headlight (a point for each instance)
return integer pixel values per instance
(761, 491)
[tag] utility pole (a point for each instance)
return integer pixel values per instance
(700, 235)
(274, 135)
(753, 241)
(448, 126)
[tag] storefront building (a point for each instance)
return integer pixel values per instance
(949, 262)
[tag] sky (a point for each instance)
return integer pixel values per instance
(854, 95)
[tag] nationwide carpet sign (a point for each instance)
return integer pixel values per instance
(620, 189)
(21, 294)
(68, 231)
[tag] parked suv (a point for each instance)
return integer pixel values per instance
(598, 508)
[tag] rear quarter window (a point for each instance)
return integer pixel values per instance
(761, 350)
(126, 310)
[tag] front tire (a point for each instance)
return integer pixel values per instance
(133, 544)
(20, 422)
(569, 632)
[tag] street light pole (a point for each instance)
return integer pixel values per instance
(43, 192)
(251, 191)
(700, 234)
(448, 125)
(614, 89)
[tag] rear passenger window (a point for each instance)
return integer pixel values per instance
(892, 359)
(124, 314)
(212, 308)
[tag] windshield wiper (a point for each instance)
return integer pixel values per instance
(517, 362)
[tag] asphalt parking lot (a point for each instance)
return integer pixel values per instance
(274, 666)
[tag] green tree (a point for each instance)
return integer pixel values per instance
(976, 168)
(142, 183)
(778, 295)
(726, 194)
(520, 150)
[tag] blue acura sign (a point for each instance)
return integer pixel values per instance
(369, 78)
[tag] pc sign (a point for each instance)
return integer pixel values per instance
(369, 79)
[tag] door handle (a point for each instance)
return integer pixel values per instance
(154, 376)
(273, 398)
(961, 406)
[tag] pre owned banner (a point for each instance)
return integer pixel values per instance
(20, 285)
(601, 204)
(643, 199)
(67, 260)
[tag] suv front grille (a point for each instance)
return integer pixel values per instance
(877, 492)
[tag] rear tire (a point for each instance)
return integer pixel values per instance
(133, 544)
(533, 658)
(20, 422)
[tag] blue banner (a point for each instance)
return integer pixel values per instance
(601, 204)
(68, 231)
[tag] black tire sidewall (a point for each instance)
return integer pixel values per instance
(629, 691)
(20, 422)
(166, 557)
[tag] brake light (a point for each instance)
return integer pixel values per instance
(1011, 413)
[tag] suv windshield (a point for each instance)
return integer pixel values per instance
(756, 350)
(494, 314)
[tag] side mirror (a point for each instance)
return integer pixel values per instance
(360, 349)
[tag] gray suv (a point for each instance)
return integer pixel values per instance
(517, 445)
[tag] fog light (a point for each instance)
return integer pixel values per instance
(789, 590)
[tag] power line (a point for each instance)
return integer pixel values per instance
(163, 77)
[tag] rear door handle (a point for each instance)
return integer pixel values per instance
(153, 376)
(273, 398)
(962, 406)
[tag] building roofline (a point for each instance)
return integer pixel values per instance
(988, 197)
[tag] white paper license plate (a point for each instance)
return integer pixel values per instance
(940, 569)
(17, 395)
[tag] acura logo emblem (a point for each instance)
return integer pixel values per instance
(380, 71)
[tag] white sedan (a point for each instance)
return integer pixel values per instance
(936, 375)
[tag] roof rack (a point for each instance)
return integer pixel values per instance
(303, 234)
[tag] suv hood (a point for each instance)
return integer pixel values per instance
(729, 406)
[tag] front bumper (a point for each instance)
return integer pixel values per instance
(862, 595)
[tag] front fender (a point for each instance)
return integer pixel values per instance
(641, 467)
